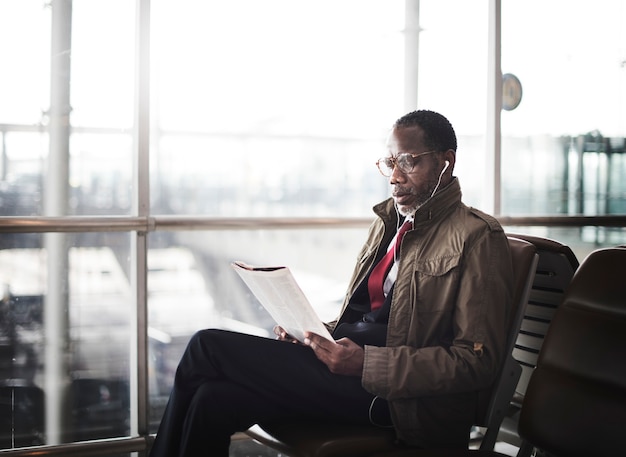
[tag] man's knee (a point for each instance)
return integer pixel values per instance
(203, 335)
(196, 361)
(201, 343)
(224, 405)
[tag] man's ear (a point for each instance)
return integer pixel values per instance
(450, 157)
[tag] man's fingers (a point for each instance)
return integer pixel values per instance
(315, 341)
(309, 340)
(282, 335)
(343, 356)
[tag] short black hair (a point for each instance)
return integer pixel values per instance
(438, 132)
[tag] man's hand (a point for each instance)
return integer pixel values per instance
(282, 335)
(343, 357)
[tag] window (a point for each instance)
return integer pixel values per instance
(252, 114)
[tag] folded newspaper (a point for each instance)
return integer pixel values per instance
(279, 293)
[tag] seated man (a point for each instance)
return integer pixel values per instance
(421, 331)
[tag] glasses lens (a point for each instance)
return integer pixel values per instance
(385, 165)
(405, 162)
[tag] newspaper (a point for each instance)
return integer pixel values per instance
(279, 293)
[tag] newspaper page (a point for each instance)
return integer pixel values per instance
(279, 293)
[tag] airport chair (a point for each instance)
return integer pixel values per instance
(556, 266)
(575, 403)
(326, 440)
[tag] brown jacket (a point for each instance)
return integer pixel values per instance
(446, 329)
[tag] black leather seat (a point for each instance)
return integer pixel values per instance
(577, 394)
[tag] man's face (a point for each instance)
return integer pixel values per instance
(411, 190)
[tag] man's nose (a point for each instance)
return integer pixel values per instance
(397, 175)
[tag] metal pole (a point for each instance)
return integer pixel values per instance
(494, 108)
(56, 315)
(5, 160)
(139, 246)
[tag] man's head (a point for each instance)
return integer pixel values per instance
(420, 144)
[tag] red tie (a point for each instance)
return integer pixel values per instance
(378, 274)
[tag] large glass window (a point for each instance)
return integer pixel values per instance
(252, 114)
(192, 286)
(254, 105)
(67, 106)
(64, 337)
(452, 80)
(24, 97)
(563, 147)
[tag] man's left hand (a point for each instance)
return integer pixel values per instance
(343, 357)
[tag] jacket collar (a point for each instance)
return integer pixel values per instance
(434, 209)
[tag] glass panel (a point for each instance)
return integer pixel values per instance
(582, 240)
(260, 113)
(25, 50)
(22, 179)
(192, 286)
(82, 166)
(452, 80)
(101, 174)
(64, 338)
(563, 146)
(24, 98)
(103, 64)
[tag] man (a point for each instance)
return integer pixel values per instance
(419, 337)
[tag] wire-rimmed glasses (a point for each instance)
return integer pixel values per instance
(405, 162)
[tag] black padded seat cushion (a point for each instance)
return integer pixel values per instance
(578, 390)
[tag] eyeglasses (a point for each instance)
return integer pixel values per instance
(405, 162)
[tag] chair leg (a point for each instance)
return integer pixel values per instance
(525, 450)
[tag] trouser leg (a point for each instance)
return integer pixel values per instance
(227, 381)
(212, 416)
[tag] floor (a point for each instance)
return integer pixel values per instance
(250, 448)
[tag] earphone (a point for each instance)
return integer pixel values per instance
(445, 167)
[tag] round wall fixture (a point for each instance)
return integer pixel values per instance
(511, 92)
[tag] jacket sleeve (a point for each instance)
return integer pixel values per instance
(451, 337)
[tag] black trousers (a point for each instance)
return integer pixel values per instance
(226, 382)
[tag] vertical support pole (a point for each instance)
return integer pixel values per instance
(5, 159)
(139, 243)
(56, 306)
(566, 146)
(494, 108)
(411, 53)
(608, 150)
(580, 174)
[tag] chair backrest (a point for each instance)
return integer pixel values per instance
(524, 259)
(556, 266)
(575, 403)
(525, 262)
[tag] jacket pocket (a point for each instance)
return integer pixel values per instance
(439, 266)
(436, 282)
